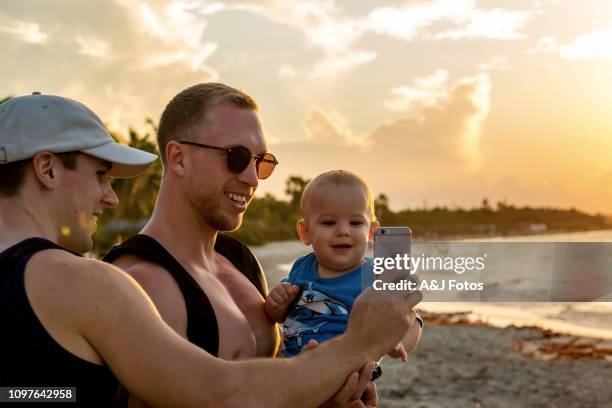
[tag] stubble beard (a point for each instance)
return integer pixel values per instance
(211, 214)
(77, 241)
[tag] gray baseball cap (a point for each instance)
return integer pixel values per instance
(35, 123)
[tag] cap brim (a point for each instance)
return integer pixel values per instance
(127, 161)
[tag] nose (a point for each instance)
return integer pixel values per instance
(109, 198)
(342, 229)
(249, 175)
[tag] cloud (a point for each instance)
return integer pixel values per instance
(412, 157)
(545, 44)
(26, 31)
(450, 128)
(323, 23)
(591, 46)
(325, 27)
(425, 91)
(406, 22)
(495, 64)
(288, 71)
(491, 24)
(335, 64)
(596, 45)
(479, 87)
(178, 29)
(92, 46)
(329, 129)
(431, 21)
(330, 29)
(123, 59)
(428, 94)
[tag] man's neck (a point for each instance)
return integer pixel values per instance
(19, 220)
(176, 226)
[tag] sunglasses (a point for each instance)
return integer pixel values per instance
(239, 157)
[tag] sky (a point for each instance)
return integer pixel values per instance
(441, 102)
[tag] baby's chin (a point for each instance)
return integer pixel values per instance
(342, 267)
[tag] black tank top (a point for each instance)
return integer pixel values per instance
(28, 354)
(202, 329)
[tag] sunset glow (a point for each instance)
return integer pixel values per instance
(442, 102)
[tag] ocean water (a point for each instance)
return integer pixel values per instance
(578, 318)
(584, 318)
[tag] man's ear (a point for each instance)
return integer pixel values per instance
(45, 166)
(302, 230)
(175, 158)
(373, 227)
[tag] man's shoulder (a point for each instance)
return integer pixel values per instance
(58, 261)
(69, 287)
(142, 257)
(62, 268)
(146, 272)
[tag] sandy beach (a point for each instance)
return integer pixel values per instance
(475, 365)
(471, 366)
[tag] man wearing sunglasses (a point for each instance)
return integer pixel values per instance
(207, 286)
(72, 326)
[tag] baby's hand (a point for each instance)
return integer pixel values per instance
(278, 299)
(399, 352)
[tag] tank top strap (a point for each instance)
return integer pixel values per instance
(22, 252)
(243, 259)
(202, 328)
(29, 355)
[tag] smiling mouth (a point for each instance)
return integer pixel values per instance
(240, 199)
(342, 246)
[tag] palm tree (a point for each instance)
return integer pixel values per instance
(136, 196)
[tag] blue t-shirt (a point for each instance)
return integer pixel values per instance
(323, 309)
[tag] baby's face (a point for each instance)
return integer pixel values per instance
(337, 223)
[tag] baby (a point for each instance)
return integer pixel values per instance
(315, 300)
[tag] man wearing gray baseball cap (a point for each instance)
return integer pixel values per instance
(35, 123)
(71, 326)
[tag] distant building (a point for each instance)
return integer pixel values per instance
(537, 228)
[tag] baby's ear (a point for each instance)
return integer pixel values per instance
(302, 230)
(373, 227)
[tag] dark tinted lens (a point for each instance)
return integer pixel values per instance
(238, 159)
(266, 166)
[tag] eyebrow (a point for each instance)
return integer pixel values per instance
(230, 146)
(332, 214)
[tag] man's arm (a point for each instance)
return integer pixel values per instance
(115, 316)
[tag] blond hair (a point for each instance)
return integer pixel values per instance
(338, 178)
(189, 108)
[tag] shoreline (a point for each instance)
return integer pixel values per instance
(499, 316)
(510, 236)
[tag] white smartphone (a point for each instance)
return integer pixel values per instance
(391, 241)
